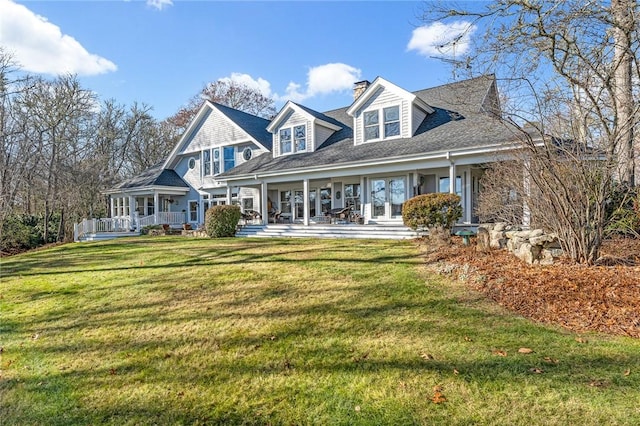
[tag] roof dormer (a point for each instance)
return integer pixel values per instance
(299, 129)
(383, 111)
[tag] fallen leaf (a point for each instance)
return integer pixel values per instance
(455, 371)
(438, 398)
(536, 370)
(426, 356)
(112, 371)
(437, 388)
(525, 351)
(581, 340)
(468, 339)
(627, 371)
(550, 360)
(357, 408)
(599, 383)
(500, 352)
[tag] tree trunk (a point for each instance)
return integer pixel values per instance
(622, 62)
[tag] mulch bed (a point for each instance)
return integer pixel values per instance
(580, 298)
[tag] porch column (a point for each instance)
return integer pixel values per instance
(305, 201)
(229, 194)
(112, 205)
(452, 177)
(364, 200)
(156, 206)
(415, 184)
(468, 201)
(132, 205)
(264, 196)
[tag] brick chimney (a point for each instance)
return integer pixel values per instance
(359, 88)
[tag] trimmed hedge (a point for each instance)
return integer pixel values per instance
(429, 211)
(221, 221)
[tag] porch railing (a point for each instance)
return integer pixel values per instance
(126, 223)
(94, 226)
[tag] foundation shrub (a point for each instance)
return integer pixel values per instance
(221, 221)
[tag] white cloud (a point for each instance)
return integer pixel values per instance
(159, 4)
(245, 79)
(324, 79)
(39, 46)
(442, 39)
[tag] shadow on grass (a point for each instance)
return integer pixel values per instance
(223, 354)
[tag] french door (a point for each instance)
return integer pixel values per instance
(387, 197)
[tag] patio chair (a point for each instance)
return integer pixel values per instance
(340, 213)
(274, 216)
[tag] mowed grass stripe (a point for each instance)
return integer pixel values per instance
(171, 330)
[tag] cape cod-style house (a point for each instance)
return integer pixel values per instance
(363, 161)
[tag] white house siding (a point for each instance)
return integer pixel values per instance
(380, 99)
(294, 118)
(418, 118)
(322, 134)
(216, 130)
(405, 119)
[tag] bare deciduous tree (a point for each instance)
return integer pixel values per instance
(567, 67)
(229, 93)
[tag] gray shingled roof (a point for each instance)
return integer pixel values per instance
(154, 176)
(255, 126)
(458, 122)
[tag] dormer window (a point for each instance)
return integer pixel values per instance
(299, 143)
(300, 134)
(390, 123)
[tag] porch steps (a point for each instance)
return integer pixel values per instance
(103, 236)
(381, 232)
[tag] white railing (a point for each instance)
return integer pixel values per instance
(161, 218)
(126, 223)
(172, 218)
(93, 226)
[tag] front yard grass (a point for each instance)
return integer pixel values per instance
(171, 330)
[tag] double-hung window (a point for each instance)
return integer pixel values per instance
(375, 128)
(391, 121)
(216, 161)
(293, 139)
(300, 137)
(206, 161)
(285, 141)
(371, 125)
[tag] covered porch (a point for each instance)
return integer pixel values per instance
(369, 198)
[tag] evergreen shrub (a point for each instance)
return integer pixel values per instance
(221, 221)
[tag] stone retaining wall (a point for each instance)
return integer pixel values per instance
(533, 246)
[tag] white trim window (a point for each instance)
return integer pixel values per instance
(300, 138)
(285, 141)
(371, 125)
(206, 162)
(216, 161)
(293, 139)
(390, 123)
(193, 211)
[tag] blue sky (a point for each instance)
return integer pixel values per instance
(162, 52)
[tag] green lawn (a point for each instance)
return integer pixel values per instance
(172, 330)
